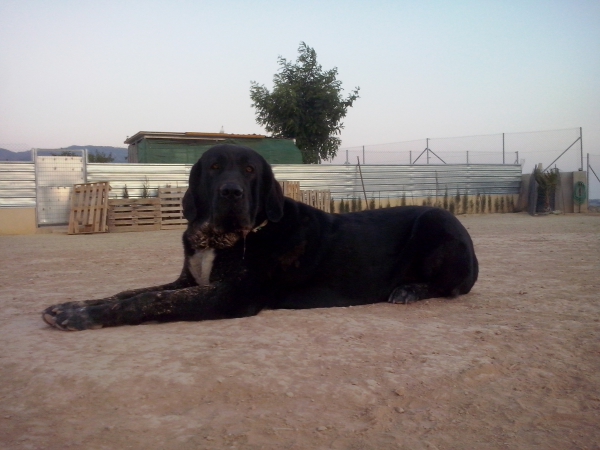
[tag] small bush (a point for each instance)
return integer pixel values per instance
(445, 201)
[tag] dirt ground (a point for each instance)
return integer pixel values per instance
(515, 364)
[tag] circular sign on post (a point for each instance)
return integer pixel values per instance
(579, 194)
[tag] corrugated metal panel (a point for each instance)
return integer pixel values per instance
(17, 185)
(17, 180)
(415, 180)
(136, 175)
(343, 181)
(56, 176)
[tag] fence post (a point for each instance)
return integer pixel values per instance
(410, 157)
(363, 154)
(581, 146)
(85, 162)
(503, 149)
(363, 182)
(467, 156)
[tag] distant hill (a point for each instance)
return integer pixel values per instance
(7, 155)
(118, 153)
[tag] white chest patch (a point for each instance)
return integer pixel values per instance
(201, 265)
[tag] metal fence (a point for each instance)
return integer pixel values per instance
(137, 177)
(343, 181)
(593, 176)
(55, 177)
(561, 147)
(56, 174)
(394, 181)
(17, 185)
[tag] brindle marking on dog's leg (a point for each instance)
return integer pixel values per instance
(194, 303)
(49, 315)
(70, 319)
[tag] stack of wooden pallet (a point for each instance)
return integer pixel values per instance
(93, 212)
(317, 199)
(291, 189)
(89, 208)
(171, 211)
(133, 214)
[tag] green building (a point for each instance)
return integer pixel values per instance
(185, 148)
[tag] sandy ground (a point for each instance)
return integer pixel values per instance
(515, 364)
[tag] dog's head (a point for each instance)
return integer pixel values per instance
(232, 189)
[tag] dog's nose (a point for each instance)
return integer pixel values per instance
(231, 191)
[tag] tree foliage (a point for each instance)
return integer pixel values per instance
(306, 104)
(100, 157)
(547, 182)
(64, 153)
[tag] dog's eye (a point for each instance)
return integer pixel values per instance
(215, 166)
(249, 169)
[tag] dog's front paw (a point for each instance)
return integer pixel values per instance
(403, 296)
(70, 317)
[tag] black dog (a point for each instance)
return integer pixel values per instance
(248, 248)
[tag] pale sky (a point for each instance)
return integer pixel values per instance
(94, 72)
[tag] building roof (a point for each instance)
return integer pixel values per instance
(192, 136)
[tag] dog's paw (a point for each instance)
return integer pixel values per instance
(70, 317)
(402, 295)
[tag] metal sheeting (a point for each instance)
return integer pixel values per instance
(55, 177)
(135, 176)
(343, 180)
(17, 180)
(17, 185)
(412, 180)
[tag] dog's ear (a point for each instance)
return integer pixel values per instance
(192, 204)
(272, 195)
(189, 206)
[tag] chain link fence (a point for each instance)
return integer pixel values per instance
(593, 175)
(562, 148)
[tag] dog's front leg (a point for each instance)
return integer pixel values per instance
(193, 303)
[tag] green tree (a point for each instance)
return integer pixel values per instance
(306, 104)
(100, 157)
(547, 182)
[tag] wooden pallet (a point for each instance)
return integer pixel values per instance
(171, 211)
(317, 199)
(89, 208)
(291, 189)
(133, 214)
